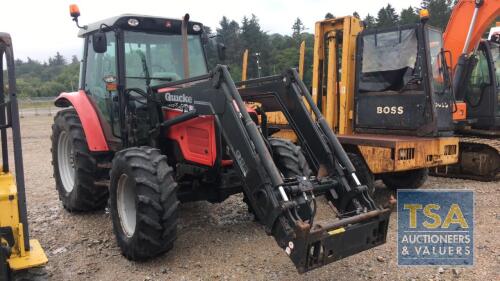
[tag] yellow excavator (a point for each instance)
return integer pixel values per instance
(387, 95)
(18, 254)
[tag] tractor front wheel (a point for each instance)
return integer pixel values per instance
(408, 179)
(143, 203)
(75, 169)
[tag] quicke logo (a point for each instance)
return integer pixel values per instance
(169, 97)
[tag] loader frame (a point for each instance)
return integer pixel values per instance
(272, 197)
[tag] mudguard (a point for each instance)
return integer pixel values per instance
(88, 116)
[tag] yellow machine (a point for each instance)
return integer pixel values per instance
(382, 126)
(17, 251)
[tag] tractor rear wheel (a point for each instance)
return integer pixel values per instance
(143, 203)
(408, 179)
(75, 169)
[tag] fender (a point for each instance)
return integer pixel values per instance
(88, 116)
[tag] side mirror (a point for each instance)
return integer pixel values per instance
(99, 42)
(221, 51)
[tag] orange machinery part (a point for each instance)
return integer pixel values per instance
(460, 20)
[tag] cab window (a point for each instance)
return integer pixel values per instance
(99, 66)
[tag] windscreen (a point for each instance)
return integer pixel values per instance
(160, 56)
(389, 60)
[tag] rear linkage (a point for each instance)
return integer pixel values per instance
(286, 206)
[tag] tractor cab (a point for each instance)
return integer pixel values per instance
(402, 82)
(126, 55)
(149, 48)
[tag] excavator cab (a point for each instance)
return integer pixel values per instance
(402, 82)
(483, 87)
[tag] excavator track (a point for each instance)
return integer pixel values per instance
(479, 160)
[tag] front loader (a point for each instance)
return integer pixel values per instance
(151, 127)
(20, 256)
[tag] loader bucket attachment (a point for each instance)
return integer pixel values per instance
(326, 244)
(357, 224)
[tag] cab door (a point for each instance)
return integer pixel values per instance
(97, 67)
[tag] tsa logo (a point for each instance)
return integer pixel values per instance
(435, 227)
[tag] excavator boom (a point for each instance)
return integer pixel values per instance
(469, 19)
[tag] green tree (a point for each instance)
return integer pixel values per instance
(369, 21)
(74, 60)
(439, 11)
(409, 15)
(257, 41)
(297, 29)
(387, 16)
(329, 16)
(58, 59)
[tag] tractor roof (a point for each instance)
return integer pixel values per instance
(142, 23)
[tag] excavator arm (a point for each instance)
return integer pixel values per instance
(468, 22)
(462, 23)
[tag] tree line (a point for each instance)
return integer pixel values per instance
(46, 79)
(269, 53)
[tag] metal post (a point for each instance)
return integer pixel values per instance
(3, 132)
(302, 54)
(244, 66)
(18, 154)
(185, 47)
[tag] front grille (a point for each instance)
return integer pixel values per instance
(406, 153)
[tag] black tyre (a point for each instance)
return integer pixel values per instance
(4, 266)
(408, 179)
(363, 173)
(143, 203)
(75, 169)
(289, 158)
(291, 162)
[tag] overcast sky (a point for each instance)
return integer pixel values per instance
(42, 28)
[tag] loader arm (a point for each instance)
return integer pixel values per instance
(360, 225)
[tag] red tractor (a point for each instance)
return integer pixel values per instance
(152, 126)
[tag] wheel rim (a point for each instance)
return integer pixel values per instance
(126, 205)
(66, 161)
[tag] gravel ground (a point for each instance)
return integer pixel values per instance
(221, 241)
